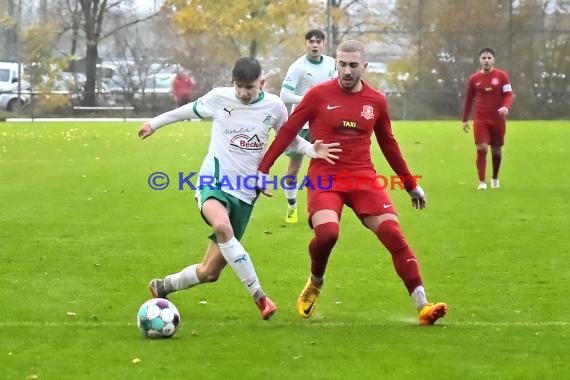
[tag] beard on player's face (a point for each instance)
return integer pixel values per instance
(349, 81)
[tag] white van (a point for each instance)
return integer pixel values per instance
(9, 98)
(8, 75)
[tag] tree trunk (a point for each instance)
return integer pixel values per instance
(93, 13)
(253, 48)
(11, 32)
(43, 11)
(75, 25)
(91, 58)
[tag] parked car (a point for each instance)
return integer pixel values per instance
(156, 92)
(11, 101)
(9, 97)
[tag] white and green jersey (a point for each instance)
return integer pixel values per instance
(304, 74)
(240, 135)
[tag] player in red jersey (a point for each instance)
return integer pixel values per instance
(348, 110)
(490, 89)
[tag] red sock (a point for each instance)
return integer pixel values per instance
(320, 247)
(496, 164)
(405, 262)
(481, 163)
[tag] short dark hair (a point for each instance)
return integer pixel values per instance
(315, 33)
(246, 70)
(487, 50)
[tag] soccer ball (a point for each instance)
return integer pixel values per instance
(158, 318)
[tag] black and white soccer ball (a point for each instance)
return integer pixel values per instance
(158, 318)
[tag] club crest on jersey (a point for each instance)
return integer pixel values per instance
(246, 142)
(494, 81)
(267, 120)
(367, 112)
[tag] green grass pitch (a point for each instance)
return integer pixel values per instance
(81, 234)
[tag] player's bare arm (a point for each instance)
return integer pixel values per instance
(466, 126)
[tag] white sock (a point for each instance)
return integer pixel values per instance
(239, 260)
(184, 279)
(419, 297)
(291, 194)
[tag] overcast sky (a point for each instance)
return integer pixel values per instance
(148, 5)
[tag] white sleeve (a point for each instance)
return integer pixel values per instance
(289, 85)
(289, 96)
(300, 145)
(184, 112)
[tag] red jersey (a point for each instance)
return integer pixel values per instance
(338, 115)
(490, 91)
(182, 86)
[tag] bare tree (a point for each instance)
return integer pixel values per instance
(94, 12)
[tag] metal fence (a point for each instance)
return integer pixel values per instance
(69, 104)
(418, 105)
(434, 105)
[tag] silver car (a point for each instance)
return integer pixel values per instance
(11, 101)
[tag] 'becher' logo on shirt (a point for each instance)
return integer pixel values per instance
(244, 142)
(367, 112)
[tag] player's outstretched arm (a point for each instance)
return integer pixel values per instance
(418, 196)
(145, 130)
(326, 151)
(262, 181)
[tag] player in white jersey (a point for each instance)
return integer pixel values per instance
(243, 116)
(307, 71)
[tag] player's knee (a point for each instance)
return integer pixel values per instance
(293, 171)
(326, 234)
(482, 148)
(223, 230)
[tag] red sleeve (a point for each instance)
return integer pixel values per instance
(390, 148)
(468, 100)
(285, 136)
(507, 96)
(508, 100)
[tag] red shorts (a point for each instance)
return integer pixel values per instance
(365, 199)
(490, 131)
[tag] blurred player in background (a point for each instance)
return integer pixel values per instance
(308, 70)
(182, 86)
(243, 116)
(349, 110)
(490, 89)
